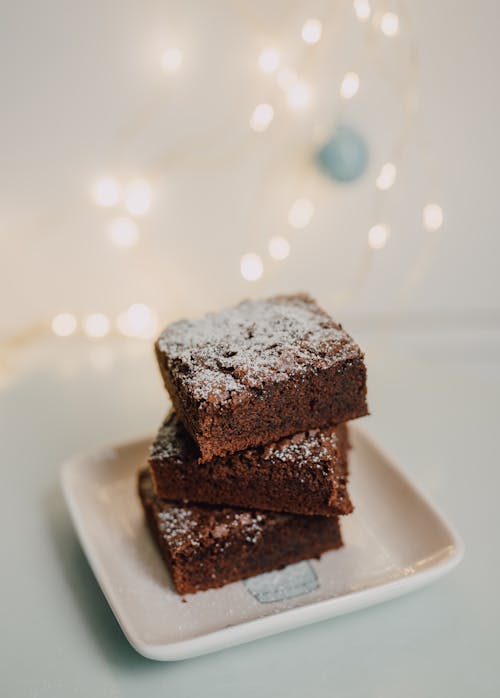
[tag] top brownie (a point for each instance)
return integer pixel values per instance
(261, 371)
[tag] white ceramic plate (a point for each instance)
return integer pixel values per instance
(395, 542)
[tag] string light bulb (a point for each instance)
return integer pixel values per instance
(311, 31)
(432, 217)
(171, 60)
(378, 236)
(138, 197)
(251, 266)
(279, 248)
(300, 213)
(123, 232)
(349, 85)
(106, 192)
(386, 177)
(96, 325)
(138, 321)
(261, 117)
(269, 60)
(299, 96)
(64, 324)
(362, 9)
(389, 24)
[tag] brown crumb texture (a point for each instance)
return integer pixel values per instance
(206, 547)
(261, 371)
(302, 474)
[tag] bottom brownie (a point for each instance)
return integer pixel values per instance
(206, 546)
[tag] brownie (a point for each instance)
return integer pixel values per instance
(206, 547)
(261, 371)
(302, 474)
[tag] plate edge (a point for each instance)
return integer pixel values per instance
(273, 624)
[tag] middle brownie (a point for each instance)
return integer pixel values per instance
(302, 474)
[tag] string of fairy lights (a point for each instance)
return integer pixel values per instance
(131, 200)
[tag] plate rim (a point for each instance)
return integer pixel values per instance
(288, 619)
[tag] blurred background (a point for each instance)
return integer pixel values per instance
(167, 158)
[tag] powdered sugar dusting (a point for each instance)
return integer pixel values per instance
(224, 353)
(173, 442)
(312, 449)
(188, 527)
(178, 526)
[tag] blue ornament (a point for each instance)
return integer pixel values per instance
(344, 157)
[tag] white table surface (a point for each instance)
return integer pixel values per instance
(438, 417)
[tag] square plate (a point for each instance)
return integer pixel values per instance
(395, 542)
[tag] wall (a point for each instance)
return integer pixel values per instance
(83, 94)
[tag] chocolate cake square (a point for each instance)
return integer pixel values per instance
(261, 371)
(302, 474)
(206, 547)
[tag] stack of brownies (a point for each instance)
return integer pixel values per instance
(249, 471)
